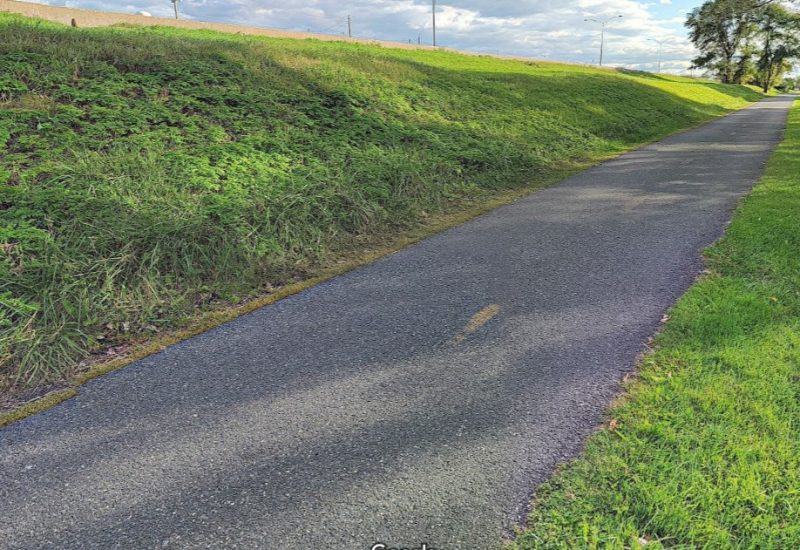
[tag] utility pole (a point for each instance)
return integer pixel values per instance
(603, 24)
(660, 46)
(434, 23)
(175, 6)
(349, 26)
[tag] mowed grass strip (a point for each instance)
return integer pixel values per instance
(703, 451)
(146, 174)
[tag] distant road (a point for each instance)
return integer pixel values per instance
(418, 399)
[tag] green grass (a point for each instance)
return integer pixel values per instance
(145, 173)
(706, 447)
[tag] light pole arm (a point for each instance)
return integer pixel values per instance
(602, 24)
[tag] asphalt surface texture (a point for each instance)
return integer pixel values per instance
(420, 399)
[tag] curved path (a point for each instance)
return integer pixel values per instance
(419, 399)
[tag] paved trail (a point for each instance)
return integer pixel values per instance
(419, 399)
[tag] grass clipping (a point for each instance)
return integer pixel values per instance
(704, 451)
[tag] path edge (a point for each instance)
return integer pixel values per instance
(439, 224)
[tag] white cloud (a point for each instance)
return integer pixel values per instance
(547, 29)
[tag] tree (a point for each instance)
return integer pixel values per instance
(745, 67)
(731, 34)
(779, 31)
(788, 85)
(718, 29)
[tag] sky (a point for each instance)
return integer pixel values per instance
(544, 29)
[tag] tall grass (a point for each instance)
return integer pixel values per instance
(146, 172)
(705, 449)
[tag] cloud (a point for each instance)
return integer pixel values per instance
(547, 29)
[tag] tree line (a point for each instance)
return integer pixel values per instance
(746, 41)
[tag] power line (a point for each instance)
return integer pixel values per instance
(337, 24)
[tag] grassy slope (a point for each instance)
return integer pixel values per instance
(706, 450)
(144, 173)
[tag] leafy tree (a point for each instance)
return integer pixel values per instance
(718, 29)
(788, 85)
(779, 31)
(746, 70)
(731, 34)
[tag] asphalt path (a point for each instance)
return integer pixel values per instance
(417, 400)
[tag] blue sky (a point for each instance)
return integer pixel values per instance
(548, 29)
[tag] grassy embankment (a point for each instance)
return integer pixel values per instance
(704, 449)
(150, 174)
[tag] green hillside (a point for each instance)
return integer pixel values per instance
(146, 173)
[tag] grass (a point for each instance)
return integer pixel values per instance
(147, 175)
(704, 449)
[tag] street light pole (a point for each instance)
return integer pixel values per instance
(434, 23)
(603, 24)
(602, 42)
(660, 46)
